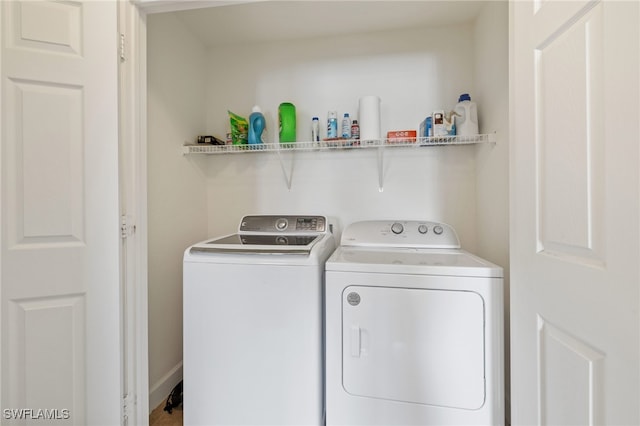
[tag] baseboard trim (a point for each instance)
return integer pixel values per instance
(163, 387)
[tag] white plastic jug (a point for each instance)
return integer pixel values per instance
(466, 116)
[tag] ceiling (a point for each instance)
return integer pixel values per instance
(249, 22)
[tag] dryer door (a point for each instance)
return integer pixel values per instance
(414, 345)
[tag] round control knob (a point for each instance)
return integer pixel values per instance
(438, 229)
(397, 228)
(423, 229)
(281, 224)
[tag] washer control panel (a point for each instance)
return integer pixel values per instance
(408, 233)
(284, 224)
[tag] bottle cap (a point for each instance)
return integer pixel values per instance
(315, 118)
(346, 114)
(464, 97)
(256, 108)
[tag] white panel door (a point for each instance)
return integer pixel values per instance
(574, 199)
(60, 339)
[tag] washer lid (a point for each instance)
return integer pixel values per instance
(449, 262)
(259, 244)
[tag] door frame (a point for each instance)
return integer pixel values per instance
(133, 211)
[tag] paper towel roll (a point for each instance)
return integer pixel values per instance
(369, 115)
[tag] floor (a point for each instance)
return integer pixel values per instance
(159, 417)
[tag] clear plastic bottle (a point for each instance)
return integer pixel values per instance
(315, 129)
(346, 126)
(332, 124)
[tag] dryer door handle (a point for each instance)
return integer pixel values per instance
(355, 341)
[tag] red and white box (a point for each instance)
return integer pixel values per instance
(401, 136)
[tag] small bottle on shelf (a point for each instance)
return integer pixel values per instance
(332, 125)
(355, 132)
(346, 126)
(315, 130)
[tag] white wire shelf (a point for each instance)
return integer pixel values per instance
(338, 144)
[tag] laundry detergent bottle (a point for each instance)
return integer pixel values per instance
(466, 116)
(287, 119)
(257, 125)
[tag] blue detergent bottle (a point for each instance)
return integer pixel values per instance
(257, 125)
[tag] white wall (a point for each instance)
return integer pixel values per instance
(413, 71)
(176, 192)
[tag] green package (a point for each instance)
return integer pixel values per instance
(239, 128)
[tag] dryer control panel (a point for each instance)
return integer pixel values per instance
(399, 233)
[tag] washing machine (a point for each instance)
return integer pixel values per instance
(253, 323)
(414, 329)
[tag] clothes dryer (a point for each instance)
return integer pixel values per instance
(253, 321)
(414, 329)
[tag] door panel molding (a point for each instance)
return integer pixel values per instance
(29, 339)
(46, 174)
(569, 378)
(570, 141)
(54, 27)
